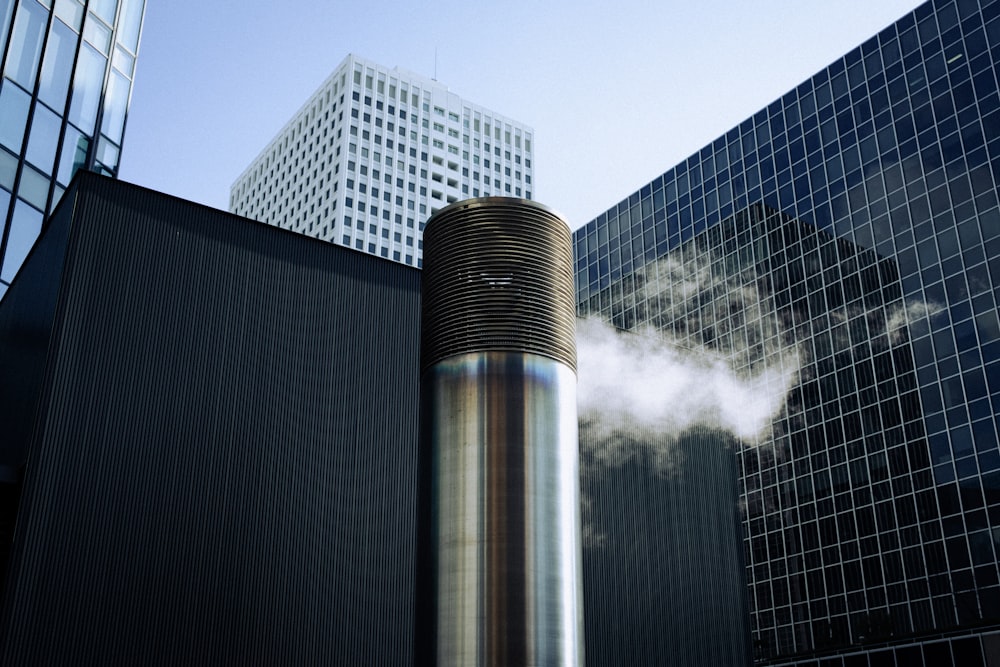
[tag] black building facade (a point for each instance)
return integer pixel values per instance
(852, 227)
(662, 562)
(210, 457)
(219, 468)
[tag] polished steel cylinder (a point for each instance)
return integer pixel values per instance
(499, 575)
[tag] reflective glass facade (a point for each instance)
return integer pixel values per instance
(67, 77)
(850, 229)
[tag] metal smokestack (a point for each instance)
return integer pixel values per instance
(499, 574)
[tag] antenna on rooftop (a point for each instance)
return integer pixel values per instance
(435, 63)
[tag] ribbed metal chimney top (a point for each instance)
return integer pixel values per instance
(497, 276)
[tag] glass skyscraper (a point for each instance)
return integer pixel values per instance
(846, 236)
(67, 78)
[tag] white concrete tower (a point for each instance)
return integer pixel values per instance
(374, 153)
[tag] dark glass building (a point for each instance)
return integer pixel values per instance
(849, 233)
(67, 78)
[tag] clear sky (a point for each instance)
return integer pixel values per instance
(617, 92)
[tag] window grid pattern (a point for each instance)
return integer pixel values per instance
(865, 202)
(374, 153)
(67, 79)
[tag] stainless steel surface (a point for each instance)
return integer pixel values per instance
(498, 275)
(505, 479)
(500, 520)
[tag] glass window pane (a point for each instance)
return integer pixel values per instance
(43, 139)
(6, 9)
(14, 104)
(34, 187)
(87, 88)
(107, 153)
(129, 23)
(26, 43)
(73, 156)
(70, 11)
(24, 229)
(123, 61)
(8, 172)
(105, 9)
(97, 34)
(57, 66)
(4, 204)
(115, 104)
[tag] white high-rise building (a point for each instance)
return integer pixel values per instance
(373, 153)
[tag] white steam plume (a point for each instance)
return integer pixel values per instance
(663, 388)
(711, 351)
(708, 345)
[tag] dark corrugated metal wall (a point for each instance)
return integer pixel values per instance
(26, 319)
(225, 473)
(663, 567)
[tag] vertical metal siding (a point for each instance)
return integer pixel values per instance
(226, 468)
(664, 583)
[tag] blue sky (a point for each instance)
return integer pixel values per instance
(616, 92)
